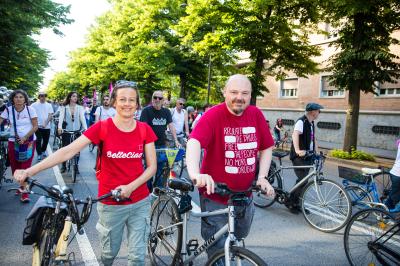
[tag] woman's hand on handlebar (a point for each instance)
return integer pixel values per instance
(126, 191)
(21, 175)
(266, 187)
(204, 180)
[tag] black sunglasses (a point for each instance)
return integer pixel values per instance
(157, 98)
(181, 104)
(42, 95)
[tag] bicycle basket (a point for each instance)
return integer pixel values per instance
(353, 175)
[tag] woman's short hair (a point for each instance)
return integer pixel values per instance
(68, 98)
(14, 93)
(121, 84)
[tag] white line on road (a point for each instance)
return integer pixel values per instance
(88, 256)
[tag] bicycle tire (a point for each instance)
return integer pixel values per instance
(74, 169)
(263, 201)
(51, 230)
(327, 206)
(361, 233)
(383, 184)
(164, 245)
(237, 252)
(360, 198)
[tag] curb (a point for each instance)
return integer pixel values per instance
(360, 164)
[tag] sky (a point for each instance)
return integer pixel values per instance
(84, 12)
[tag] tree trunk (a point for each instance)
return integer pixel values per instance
(257, 77)
(182, 93)
(352, 114)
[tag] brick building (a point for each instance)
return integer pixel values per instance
(379, 121)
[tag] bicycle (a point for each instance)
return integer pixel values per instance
(372, 237)
(57, 137)
(72, 164)
(285, 142)
(325, 205)
(4, 135)
(368, 188)
(50, 230)
(168, 230)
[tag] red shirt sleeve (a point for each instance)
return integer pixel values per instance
(93, 133)
(150, 136)
(266, 139)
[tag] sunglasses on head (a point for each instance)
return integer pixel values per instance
(157, 98)
(125, 83)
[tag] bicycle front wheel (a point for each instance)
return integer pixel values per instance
(360, 198)
(165, 240)
(326, 206)
(237, 256)
(365, 233)
(261, 199)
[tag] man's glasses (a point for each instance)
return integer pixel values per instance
(125, 84)
(182, 104)
(42, 95)
(157, 98)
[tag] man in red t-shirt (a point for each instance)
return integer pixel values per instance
(232, 134)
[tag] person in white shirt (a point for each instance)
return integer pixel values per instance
(180, 120)
(393, 200)
(105, 111)
(44, 111)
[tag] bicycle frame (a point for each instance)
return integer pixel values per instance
(375, 246)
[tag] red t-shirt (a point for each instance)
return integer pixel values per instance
(121, 159)
(231, 144)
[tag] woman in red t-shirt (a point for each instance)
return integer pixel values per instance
(124, 141)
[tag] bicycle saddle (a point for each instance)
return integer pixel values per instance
(180, 184)
(280, 153)
(370, 171)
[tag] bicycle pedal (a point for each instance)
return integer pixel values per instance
(192, 245)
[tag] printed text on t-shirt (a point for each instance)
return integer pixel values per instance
(240, 149)
(123, 155)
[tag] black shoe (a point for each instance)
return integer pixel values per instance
(63, 169)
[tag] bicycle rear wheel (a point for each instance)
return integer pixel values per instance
(326, 206)
(238, 256)
(363, 236)
(165, 240)
(262, 200)
(383, 184)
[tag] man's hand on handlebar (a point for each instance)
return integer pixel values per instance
(125, 191)
(204, 180)
(266, 187)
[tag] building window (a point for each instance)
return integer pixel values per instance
(331, 32)
(388, 130)
(288, 122)
(289, 88)
(389, 89)
(329, 125)
(329, 91)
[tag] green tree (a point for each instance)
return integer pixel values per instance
(22, 61)
(275, 33)
(364, 58)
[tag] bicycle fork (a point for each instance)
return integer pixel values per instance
(61, 249)
(231, 237)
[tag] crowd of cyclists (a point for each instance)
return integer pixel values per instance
(234, 135)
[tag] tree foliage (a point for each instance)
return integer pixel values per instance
(22, 61)
(364, 58)
(275, 33)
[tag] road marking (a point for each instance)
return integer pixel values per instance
(88, 256)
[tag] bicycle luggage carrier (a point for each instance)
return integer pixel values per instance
(353, 175)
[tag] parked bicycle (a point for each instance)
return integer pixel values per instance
(49, 223)
(372, 237)
(73, 163)
(168, 243)
(325, 205)
(368, 188)
(4, 135)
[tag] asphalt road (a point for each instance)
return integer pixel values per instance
(278, 236)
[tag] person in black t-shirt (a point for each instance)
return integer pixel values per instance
(159, 118)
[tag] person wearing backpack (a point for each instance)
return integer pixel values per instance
(23, 125)
(123, 142)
